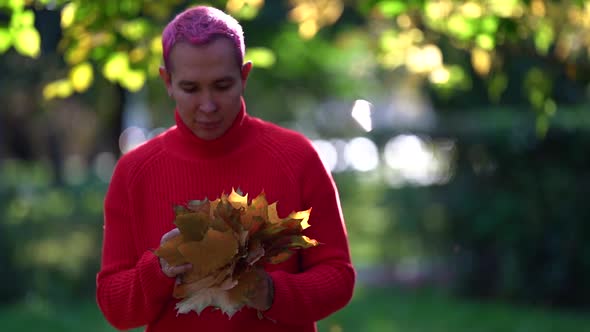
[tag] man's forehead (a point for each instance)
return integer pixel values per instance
(198, 80)
(219, 51)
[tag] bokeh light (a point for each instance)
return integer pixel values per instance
(362, 154)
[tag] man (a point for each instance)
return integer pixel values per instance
(214, 147)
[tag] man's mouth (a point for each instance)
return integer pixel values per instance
(208, 124)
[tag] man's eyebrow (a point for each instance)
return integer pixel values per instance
(185, 82)
(225, 79)
(221, 79)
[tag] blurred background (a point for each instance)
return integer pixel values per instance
(457, 132)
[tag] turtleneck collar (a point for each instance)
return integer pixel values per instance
(182, 140)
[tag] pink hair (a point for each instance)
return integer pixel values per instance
(200, 25)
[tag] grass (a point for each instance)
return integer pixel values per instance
(372, 309)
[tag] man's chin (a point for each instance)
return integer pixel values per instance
(207, 135)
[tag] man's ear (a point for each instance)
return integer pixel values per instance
(246, 68)
(167, 78)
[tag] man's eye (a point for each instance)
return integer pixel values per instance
(223, 87)
(189, 90)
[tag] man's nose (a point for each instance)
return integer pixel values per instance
(207, 105)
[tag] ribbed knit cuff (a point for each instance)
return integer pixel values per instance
(154, 281)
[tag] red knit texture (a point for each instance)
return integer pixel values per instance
(176, 167)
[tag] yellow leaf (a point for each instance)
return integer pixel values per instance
(303, 216)
(261, 57)
(135, 29)
(26, 18)
(58, 89)
(273, 216)
(68, 14)
(5, 40)
(156, 45)
(238, 201)
(133, 80)
(27, 41)
(116, 66)
(16, 5)
(82, 76)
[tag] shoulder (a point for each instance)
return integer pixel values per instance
(135, 161)
(289, 148)
(283, 141)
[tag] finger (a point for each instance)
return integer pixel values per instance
(173, 233)
(173, 271)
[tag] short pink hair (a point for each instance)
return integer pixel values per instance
(200, 25)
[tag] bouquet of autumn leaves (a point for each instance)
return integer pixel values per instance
(226, 240)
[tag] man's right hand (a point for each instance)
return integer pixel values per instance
(169, 270)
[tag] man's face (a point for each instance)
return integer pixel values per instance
(206, 83)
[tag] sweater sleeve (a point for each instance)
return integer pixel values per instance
(131, 287)
(326, 282)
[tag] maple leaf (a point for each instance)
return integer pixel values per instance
(169, 251)
(216, 250)
(193, 225)
(227, 241)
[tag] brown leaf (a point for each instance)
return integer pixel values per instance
(192, 226)
(279, 257)
(229, 214)
(211, 296)
(245, 289)
(192, 284)
(216, 250)
(255, 252)
(219, 224)
(200, 206)
(256, 214)
(225, 240)
(291, 242)
(169, 251)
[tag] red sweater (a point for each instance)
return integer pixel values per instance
(176, 167)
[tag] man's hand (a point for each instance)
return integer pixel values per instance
(263, 293)
(169, 270)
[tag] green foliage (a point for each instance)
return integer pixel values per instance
(120, 39)
(511, 223)
(390, 309)
(517, 213)
(20, 31)
(372, 309)
(50, 235)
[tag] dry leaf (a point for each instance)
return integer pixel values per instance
(226, 240)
